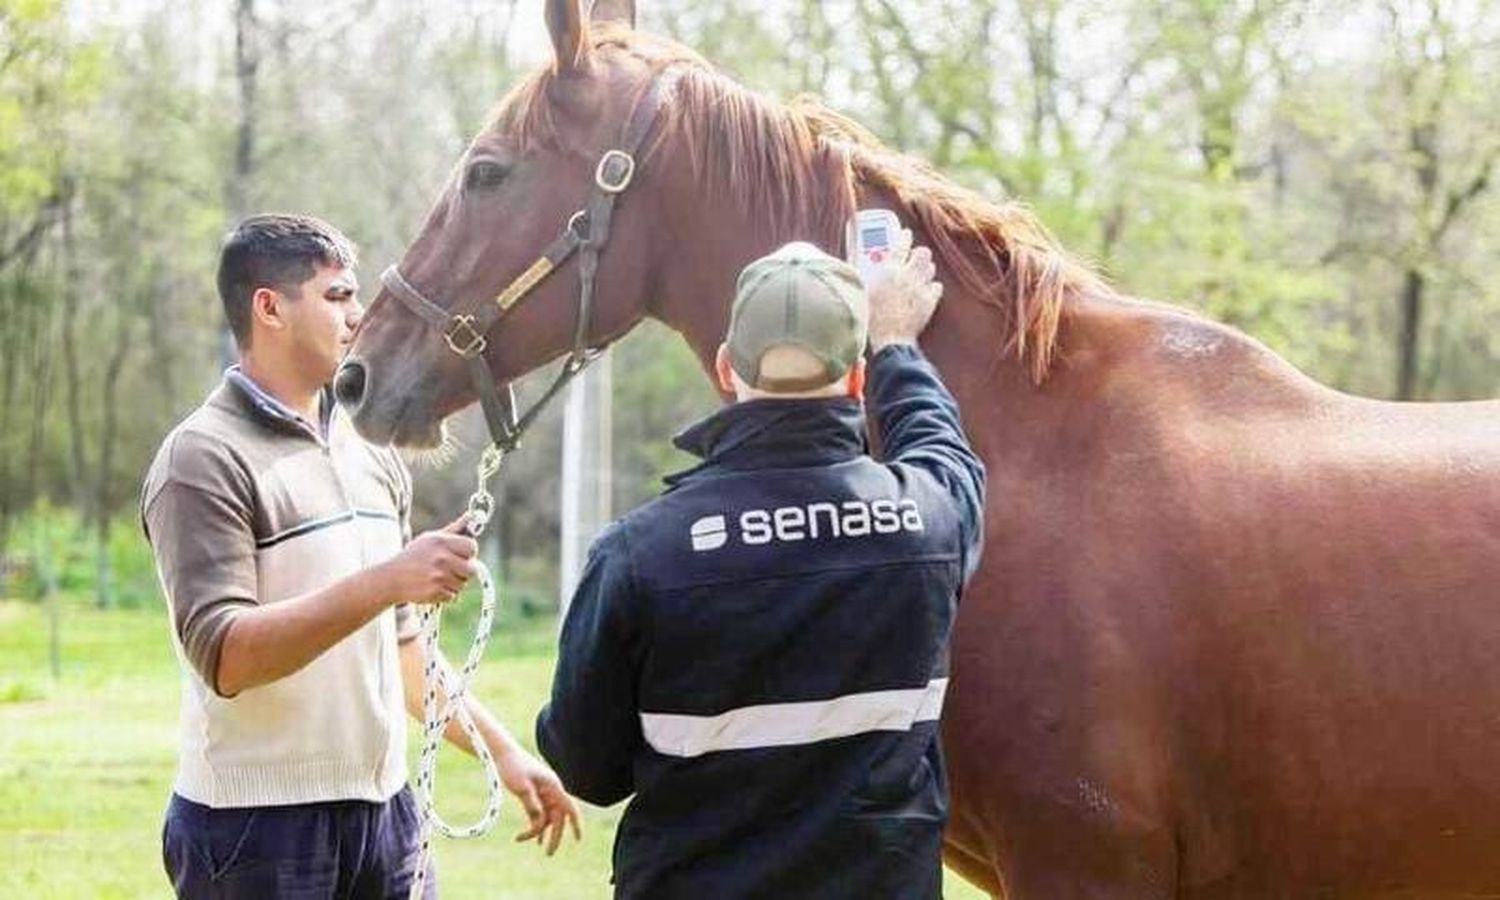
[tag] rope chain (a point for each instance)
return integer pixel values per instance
(435, 721)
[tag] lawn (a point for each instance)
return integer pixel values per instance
(86, 765)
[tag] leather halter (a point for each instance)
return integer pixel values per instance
(464, 330)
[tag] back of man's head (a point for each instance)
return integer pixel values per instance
(274, 251)
(798, 323)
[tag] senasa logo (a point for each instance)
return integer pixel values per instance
(708, 533)
(789, 524)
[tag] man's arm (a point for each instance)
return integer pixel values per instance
(917, 417)
(205, 552)
(414, 684)
(591, 730)
(269, 642)
(549, 809)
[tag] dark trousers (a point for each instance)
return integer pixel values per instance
(314, 851)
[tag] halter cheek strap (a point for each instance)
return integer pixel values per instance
(587, 231)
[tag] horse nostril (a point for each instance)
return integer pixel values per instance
(349, 384)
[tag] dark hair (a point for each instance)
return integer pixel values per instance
(275, 251)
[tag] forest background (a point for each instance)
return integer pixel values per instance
(1321, 174)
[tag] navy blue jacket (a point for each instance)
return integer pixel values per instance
(759, 655)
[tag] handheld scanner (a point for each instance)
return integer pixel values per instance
(871, 238)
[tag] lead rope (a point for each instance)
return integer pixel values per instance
(434, 721)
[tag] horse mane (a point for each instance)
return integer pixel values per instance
(779, 159)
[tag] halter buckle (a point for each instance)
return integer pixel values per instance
(468, 344)
(601, 174)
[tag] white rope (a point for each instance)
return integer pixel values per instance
(435, 720)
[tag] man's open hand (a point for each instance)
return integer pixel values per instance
(549, 809)
(904, 293)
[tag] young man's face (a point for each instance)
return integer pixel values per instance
(322, 322)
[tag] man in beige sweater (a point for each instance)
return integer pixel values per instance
(282, 544)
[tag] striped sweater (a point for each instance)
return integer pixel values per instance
(247, 504)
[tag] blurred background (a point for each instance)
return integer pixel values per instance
(1323, 175)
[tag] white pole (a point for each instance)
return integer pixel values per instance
(586, 476)
(604, 440)
(572, 490)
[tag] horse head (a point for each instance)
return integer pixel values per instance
(523, 191)
(715, 175)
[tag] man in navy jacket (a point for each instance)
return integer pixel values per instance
(759, 655)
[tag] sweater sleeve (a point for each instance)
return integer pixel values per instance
(919, 426)
(590, 730)
(199, 525)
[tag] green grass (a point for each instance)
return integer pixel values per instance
(86, 764)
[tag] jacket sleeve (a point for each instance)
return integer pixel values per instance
(919, 426)
(590, 731)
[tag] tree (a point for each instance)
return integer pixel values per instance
(47, 80)
(1413, 165)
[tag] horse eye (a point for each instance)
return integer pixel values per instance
(486, 174)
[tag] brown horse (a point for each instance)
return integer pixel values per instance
(1235, 634)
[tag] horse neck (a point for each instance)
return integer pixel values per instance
(1110, 371)
(693, 293)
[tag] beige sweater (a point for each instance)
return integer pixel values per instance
(244, 506)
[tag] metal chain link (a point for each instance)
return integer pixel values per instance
(435, 721)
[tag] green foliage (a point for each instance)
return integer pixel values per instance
(54, 548)
(20, 691)
(525, 622)
(659, 389)
(47, 79)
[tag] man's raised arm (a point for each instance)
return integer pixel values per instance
(917, 417)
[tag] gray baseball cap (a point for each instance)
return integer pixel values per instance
(800, 296)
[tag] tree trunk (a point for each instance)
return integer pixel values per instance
(8, 376)
(164, 357)
(104, 495)
(38, 341)
(246, 73)
(72, 297)
(1412, 288)
(54, 601)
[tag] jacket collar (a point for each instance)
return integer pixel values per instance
(774, 434)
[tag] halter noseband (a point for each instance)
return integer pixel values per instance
(587, 231)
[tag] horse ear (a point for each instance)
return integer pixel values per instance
(569, 33)
(614, 11)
